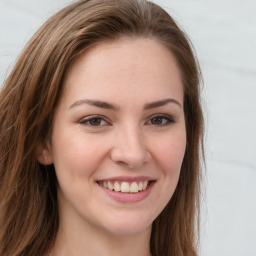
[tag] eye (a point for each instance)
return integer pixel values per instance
(94, 121)
(160, 120)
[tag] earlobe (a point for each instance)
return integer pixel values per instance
(44, 155)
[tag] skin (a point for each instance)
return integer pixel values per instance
(126, 141)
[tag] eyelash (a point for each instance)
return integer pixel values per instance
(86, 121)
(168, 120)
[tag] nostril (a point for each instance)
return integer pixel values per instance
(130, 158)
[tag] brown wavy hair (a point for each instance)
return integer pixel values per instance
(29, 96)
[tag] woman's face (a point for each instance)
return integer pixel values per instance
(119, 125)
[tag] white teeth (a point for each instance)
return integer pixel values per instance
(140, 186)
(117, 186)
(134, 187)
(105, 184)
(145, 184)
(125, 187)
(110, 186)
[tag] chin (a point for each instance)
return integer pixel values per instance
(128, 225)
(126, 230)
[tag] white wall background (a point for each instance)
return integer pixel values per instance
(224, 35)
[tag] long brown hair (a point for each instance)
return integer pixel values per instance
(28, 200)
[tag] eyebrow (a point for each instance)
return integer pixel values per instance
(161, 103)
(96, 103)
(107, 105)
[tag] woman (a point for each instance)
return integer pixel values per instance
(101, 127)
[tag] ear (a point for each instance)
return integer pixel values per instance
(44, 154)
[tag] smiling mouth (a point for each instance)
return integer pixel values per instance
(125, 186)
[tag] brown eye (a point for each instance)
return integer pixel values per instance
(95, 121)
(157, 120)
(161, 120)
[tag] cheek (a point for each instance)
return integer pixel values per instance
(168, 156)
(169, 152)
(77, 155)
(76, 158)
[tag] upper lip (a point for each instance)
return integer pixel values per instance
(128, 178)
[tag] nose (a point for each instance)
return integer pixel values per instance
(130, 148)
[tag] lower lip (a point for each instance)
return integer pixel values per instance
(129, 197)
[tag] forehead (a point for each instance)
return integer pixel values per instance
(124, 68)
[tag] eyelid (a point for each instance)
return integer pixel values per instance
(85, 120)
(169, 118)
